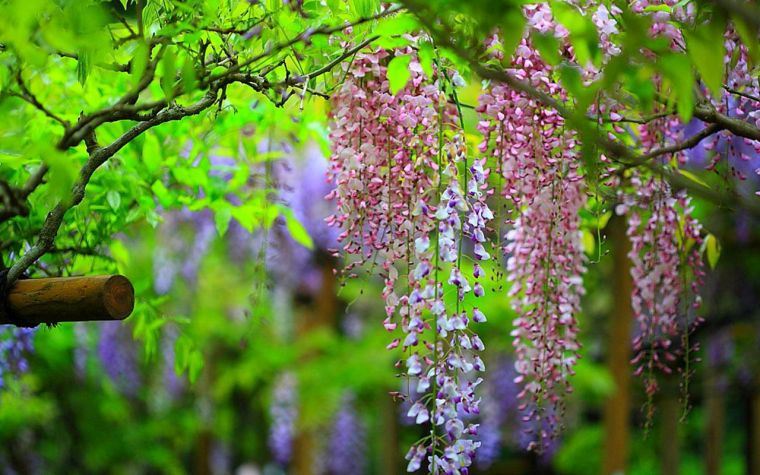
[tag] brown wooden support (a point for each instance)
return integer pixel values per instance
(617, 407)
(69, 299)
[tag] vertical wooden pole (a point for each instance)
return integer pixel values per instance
(389, 465)
(317, 311)
(715, 413)
(753, 432)
(617, 408)
(670, 414)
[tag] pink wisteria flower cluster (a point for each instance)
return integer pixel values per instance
(539, 168)
(407, 200)
(415, 205)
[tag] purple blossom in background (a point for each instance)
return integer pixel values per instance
(118, 355)
(283, 413)
(302, 187)
(242, 246)
(720, 349)
(205, 231)
(14, 348)
(81, 350)
(489, 435)
(164, 270)
(499, 409)
(221, 458)
(346, 452)
(740, 154)
(173, 384)
(353, 325)
(537, 431)
(501, 414)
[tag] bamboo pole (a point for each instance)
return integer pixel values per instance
(69, 299)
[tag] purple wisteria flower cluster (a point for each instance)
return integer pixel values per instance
(385, 172)
(347, 447)
(118, 355)
(14, 348)
(283, 412)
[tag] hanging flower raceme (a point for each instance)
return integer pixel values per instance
(407, 201)
(15, 346)
(118, 355)
(283, 412)
(539, 170)
(347, 447)
(665, 255)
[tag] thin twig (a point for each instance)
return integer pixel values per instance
(27, 95)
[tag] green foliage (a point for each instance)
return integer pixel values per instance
(706, 50)
(712, 250)
(398, 72)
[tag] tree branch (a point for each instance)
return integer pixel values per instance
(742, 94)
(98, 157)
(707, 113)
(686, 144)
(296, 80)
(27, 95)
(304, 36)
(613, 148)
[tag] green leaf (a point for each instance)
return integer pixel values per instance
(62, 174)
(188, 358)
(120, 254)
(151, 153)
(677, 68)
(712, 249)
(548, 46)
(194, 366)
(162, 193)
(222, 216)
(398, 73)
(748, 38)
(693, 177)
(706, 50)
(189, 81)
(657, 8)
(114, 199)
(295, 228)
(168, 73)
(589, 242)
(396, 25)
(246, 215)
(364, 8)
(583, 32)
(139, 62)
(84, 66)
(426, 55)
(512, 31)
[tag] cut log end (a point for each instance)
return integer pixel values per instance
(71, 299)
(118, 297)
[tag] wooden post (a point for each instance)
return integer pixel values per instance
(670, 409)
(389, 445)
(714, 390)
(753, 432)
(70, 299)
(617, 407)
(315, 311)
